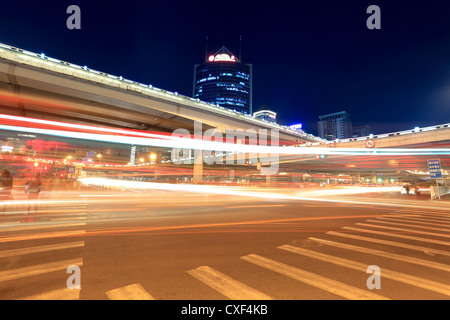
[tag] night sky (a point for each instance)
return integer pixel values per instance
(309, 57)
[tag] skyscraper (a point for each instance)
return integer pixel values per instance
(224, 80)
(335, 126)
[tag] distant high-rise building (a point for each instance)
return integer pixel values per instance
(361, 131)
(265, 113)
(224, 80)
(335, 126)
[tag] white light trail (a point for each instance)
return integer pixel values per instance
(187, 143)
(242, 192)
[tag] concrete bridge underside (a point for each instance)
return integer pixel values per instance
(26, 90)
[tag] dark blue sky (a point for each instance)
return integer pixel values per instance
(309, 57)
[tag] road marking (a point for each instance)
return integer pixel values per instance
(397, 219)
(57, 234)
(385, 254)
(329, 285)
(410, 225)
(435, 215)
(48, 212)
(46, 248)
(417, 218)
(406, 230)
(227, 286)
(386, 273)
(75, 216)
(428, 213)
(131, 292)
(58, 294)
(390, 234)
(258, 206)
(390, 243)
(69, 218)
(39, 226)
(38, 269)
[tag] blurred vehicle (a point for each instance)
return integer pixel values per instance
(413, 190)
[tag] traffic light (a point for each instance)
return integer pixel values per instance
(321, 156)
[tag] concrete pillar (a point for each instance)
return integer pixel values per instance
(268, 180)
(198, 166)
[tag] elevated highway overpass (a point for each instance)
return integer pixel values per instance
(375, 164)
(38, 86)
(438, 135)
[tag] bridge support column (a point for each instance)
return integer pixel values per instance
(268, 180)
(198, 166)
(374, 179)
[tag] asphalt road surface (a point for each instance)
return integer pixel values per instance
(173, 245)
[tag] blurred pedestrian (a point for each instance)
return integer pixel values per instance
(32, 188)
(6, 183)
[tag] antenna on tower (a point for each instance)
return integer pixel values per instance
(240, 48)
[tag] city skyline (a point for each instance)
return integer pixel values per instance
(207, 153)
(306, 63)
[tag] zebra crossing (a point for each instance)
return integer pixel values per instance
(33, 247)
(422, 235)
(236, 290)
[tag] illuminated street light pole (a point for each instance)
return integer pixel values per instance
(99, 157)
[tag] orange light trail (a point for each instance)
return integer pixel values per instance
(123, 231)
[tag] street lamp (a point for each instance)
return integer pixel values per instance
(99, 157)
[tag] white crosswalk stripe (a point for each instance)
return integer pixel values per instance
(440, 216)
(409, 225)
(229, 287)
(390, 274)
(397, 235)
(390, 243)
(130, 292)
(38, 226)
(58, 294)
(386, 254)
(40, 249)
(29, 271)
(405, 230)
(330, 285)
(415, 220)
(53, 236)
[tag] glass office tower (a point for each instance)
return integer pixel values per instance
(335, 126)
(225, 81)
